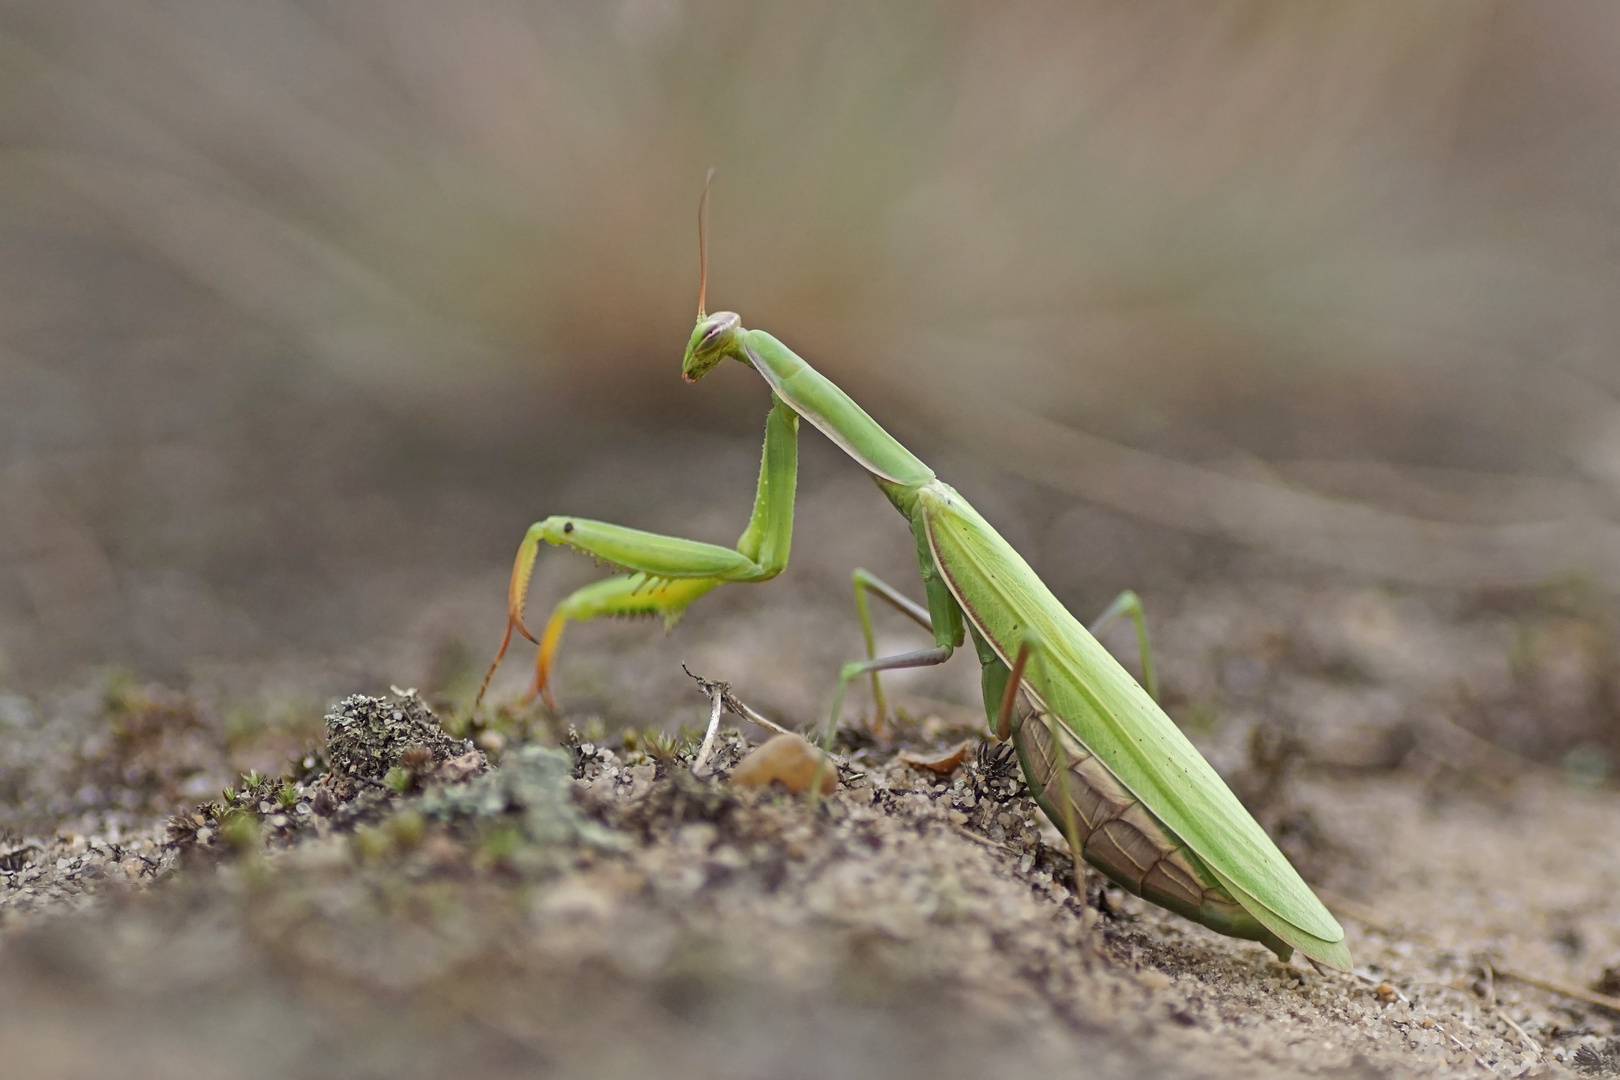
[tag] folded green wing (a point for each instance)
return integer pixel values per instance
(1083, 685)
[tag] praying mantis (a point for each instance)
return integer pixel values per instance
(1106, 765)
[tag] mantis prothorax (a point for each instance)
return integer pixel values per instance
(1105, 763)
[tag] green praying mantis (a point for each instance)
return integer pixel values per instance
(1105, 763)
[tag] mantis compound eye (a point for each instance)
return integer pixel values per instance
(720, 324)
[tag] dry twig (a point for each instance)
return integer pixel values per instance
(734, 705)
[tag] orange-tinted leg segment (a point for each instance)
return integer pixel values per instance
(544, 656)
(622, 594)
(516, 594)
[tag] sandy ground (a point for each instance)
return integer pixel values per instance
(913, 924)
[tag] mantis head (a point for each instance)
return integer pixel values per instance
(716, 337)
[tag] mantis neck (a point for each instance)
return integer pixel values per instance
(818, 400)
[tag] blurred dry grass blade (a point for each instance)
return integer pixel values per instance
(65, 579)
(278, 271)
(1330, 532)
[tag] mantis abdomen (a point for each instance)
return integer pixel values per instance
(1115, 833)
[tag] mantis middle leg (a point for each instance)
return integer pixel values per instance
(995, 674)
(664, 573)
(865, 582)
(942, 617)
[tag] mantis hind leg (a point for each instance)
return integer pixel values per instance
(1000, 686)
(1128, 603)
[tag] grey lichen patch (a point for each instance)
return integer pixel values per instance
(534, 786)
(403, 789)
(380, 751)
(366, 737)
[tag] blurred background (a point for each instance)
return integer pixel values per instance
(1298, 318)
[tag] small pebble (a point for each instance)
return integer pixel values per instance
(787, 760)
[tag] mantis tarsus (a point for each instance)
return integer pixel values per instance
(1105, 763)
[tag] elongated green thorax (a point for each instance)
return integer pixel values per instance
(814, 396)
(806, 391)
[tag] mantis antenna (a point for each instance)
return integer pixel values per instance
(703, 244)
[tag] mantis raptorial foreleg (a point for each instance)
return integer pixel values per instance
(666, 573)
(622, 594)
